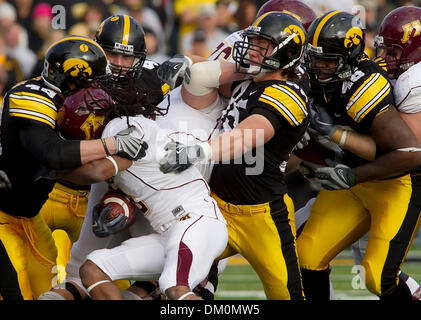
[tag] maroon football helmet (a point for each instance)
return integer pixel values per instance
(399, 40)
(299, 10)
(82, 116)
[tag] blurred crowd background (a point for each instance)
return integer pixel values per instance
(28, 27)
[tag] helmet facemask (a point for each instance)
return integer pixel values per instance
(326, 69)
(134, 71)
(268, 62)
(393, 56)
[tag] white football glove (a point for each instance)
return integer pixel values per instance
(180, 157)
(129, 147)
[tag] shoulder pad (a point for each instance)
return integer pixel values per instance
(34, 101)
(290, 101)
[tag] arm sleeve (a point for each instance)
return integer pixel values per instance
(51, 151)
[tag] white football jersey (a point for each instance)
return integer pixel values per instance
(163, 197)
(407, 90)
(191, 126)
(224, 51)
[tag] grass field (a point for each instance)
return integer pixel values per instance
(239, 281)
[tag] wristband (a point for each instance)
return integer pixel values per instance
(343, 138)
(89, 289)
(104, 144)
(114, 164)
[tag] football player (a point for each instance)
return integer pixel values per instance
(268, 107)
(131, 84)
(224, 52)
(190, 232)
(122, 39)
(30, 143)
(398, 45)
(356, 92)
(183, 215)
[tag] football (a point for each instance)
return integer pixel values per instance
(316, 152)
(120, 205)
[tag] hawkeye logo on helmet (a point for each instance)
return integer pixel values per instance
(354, 37)
(123, 47)
(77, 67)
(299, 37)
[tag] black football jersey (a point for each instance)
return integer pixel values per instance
(28, 103)
(361, 98)
(356, 103)
(259, 176)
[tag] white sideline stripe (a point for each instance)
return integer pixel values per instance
(239, 277)
(240, 293)
(261, 294)
(345, 296)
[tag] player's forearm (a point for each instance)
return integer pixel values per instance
(95, 171)
(229, 145)
(388, 165)
(250, 133)
(91, 150)
(360, 144)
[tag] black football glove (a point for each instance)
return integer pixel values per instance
(174, 70)
(321, 121)
(337, 178)
(303, 142)
(180, 157)
(129, 147)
